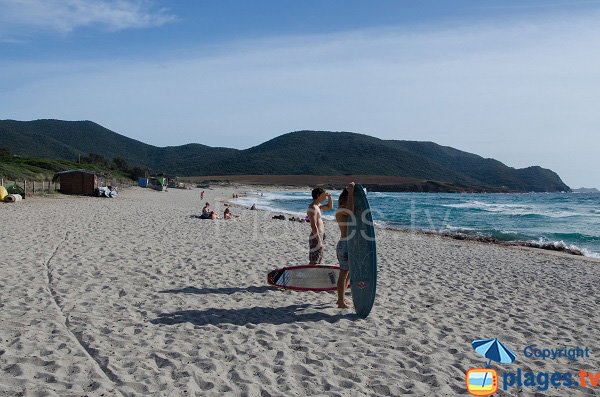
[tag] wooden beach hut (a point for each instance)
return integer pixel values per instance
(77, 181)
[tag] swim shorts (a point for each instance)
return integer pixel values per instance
(342, 254)
(315, 253)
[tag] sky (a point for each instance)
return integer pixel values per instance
(514, 80)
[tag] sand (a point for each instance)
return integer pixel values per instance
(133, 297)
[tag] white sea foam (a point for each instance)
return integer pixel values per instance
(509, 232)
(562, 246)
(287, 197)
(382, 224)
(245, 201)
(379, 194)
(491, 207)
(460, 228)
(265, 202)
(589, 253)
(514, 209)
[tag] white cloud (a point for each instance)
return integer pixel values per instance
(20, 18)
(524, 93)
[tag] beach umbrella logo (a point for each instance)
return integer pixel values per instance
(494, 350)
(484, 381)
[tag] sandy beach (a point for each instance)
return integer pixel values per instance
(134, 297)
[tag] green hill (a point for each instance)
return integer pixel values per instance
(67, 140)
(295, 153)
(33, 168)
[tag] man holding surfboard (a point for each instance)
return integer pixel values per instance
(317, 228)
(343, 216)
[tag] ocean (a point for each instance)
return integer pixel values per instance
(551, 220)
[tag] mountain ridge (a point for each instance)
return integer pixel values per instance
(304, 152)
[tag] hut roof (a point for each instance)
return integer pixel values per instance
(79, 170)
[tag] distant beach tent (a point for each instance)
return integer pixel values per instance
(15, 189)
(77, 181)
(493, 349)
(142, 182)
(158, 183)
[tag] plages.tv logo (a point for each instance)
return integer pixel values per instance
(484, 381)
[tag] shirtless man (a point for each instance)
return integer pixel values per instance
(317, 228)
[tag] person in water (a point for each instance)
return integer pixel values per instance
(343, 216)
(317, 228)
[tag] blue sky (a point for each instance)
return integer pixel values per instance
(513, 80)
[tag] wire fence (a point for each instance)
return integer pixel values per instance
(40, 187)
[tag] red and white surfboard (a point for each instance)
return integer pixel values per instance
(305, 278)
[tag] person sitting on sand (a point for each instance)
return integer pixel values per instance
(343, 216)
(207, 213)
(317, 232)
(227, 213)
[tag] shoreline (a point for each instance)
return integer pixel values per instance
(554, 247)
(375, 183)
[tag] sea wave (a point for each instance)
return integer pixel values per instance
(382, 224)
(514, 223)
(460, 228)
(245, 201)
(514, 209)
(547, 214)
(556, 246)
(489, 207)
(510, 238)
(380, 194)
(589, 253)
(287, 197)
(267, 205)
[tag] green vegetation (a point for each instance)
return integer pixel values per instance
(33, 168)
(295, 153)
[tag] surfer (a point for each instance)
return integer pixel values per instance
(344, 211)
(317, 228)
